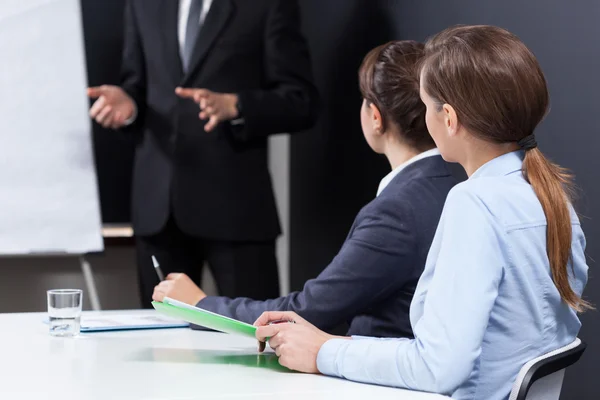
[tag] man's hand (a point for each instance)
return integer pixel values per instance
(215, 107)
(296, 344)
(179, 287)
(113, 106)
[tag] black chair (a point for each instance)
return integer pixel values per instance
(542, 378)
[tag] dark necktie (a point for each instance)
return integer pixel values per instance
(191, 33)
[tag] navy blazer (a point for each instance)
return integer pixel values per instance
(371, 282)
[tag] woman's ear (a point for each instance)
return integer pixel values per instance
(450, 119)
(376, 119)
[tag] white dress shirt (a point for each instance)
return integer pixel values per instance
(389, 177)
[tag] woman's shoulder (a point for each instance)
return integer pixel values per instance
(487, 198)
(472, 192)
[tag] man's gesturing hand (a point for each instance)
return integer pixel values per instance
(113, 106)
(215, 107)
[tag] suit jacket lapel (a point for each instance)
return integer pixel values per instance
(218, 16)
(171, 41)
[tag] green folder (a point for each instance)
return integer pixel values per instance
(207, 319)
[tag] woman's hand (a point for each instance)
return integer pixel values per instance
(296, 343)
(179, 287)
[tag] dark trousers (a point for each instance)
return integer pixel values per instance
(240, 269)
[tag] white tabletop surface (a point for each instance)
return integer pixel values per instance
(177, 364)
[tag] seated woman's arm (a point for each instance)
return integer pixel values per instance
(377, 259)
(460, 293)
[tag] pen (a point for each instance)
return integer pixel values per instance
(282, 321)
(159, 272)
(263, 345)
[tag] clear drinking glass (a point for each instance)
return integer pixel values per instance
(64, 311)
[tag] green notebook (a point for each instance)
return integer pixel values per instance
(207, 319)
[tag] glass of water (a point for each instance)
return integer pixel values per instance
(64, 311)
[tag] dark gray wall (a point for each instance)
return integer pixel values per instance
(333, 173)
(103, 33)
(332, 170)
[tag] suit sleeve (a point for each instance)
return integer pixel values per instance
(287, 102)
(376, 259)
(133, 68)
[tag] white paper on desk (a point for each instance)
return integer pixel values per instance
(116, 322)
(48, 188)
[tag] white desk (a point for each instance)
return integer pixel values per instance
(178, 364)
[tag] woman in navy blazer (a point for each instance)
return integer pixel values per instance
(371, 282)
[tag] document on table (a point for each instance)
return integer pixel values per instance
(122, 322)
(127, 322)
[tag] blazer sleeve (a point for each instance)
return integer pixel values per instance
(376, 259)
(287, 102)
(133, 67)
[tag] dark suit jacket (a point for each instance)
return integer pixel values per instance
(371, 282)
(217, 184)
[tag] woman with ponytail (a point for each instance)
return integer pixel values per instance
(506, 270)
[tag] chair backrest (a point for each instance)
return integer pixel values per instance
(542, 377)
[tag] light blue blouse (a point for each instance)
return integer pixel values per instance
(485, 304)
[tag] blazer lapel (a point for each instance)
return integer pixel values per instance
(171, 41)
(218, 16)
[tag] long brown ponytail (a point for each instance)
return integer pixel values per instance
(500, 94)
(552, 185)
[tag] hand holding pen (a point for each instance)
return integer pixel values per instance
(177, 286)
(295, 341)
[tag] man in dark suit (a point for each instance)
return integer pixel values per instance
(204, 84)
(371, 281)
